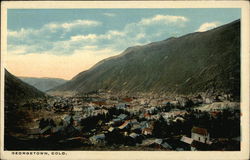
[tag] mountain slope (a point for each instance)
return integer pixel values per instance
(16, 91)
(197, 62)
(43, 84)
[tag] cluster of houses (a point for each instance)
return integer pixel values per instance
(133, 126)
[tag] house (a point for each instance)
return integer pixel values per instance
(156, 143)
(144, 124)
(200, 139)
(214, 114)
(133, 135)
(174, 103)
(151, 110)
(147, 116)
(77, 117)
(208, 100)
(133, 121)
(121, 106)
(147, 142)
(66, 119)
(165, 145)
(187, 140)
(97, 139)
(147, 131)
(124, 125)
(180, 119)
(200, 135)
(77, 108)
(127, 99)
(115, 122)
(122, 116)
(111, 129)
(136, 126)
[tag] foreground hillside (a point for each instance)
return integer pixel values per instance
(43, 84)
(17, 91)
(198, 62)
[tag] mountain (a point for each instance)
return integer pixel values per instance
(43, 84)
(198, 62)
(16, 91)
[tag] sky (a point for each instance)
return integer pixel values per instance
(61, 43)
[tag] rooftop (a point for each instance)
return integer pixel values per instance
(198, 130)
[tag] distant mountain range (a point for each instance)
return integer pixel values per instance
(17, 91)
(198, 62)
(43, 84)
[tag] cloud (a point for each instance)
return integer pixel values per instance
(73, 24)
(109, 14)
(22, 33)
(166, 19)
(65, 37)
(17, 49)
(83, 37)
(54, 46)
(208, 25)
(115, 33)
(49, 37)
(53, 27)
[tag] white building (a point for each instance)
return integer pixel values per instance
(200, 135)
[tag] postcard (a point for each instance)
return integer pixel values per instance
(125, 80)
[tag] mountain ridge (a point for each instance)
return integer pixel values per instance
(43, 83)
(184, 65)
(16, 91)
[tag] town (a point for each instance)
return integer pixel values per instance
(102, 121)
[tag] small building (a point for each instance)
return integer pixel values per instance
(200, 135)
(144, 124)
(133, 121)
(208, 100)
(124, 125)
(77, 108)
(111, 129)
(180, 119)
(97, 139)
(200, 139)
(187, 140)
(121, 106)
(133, 135)
(174, 103)
(122, 116)
(151, 110)
(156, 143)
(147, 131)
(136, 127)
(165, 145)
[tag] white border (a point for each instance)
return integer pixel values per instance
(110, 155)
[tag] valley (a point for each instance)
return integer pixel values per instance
(102, 121)
(179, 94)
